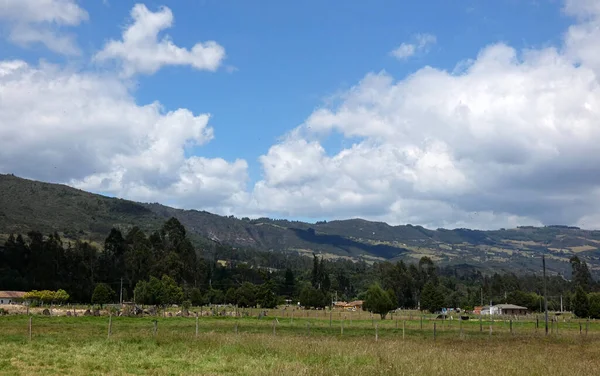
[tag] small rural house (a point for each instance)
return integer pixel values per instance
(504, 309)
(511, 309)
(355, 305)
(11, 297)
(352, 306)
(489, 310)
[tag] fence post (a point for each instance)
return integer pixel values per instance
(196, 324)
(236, 327)
(292, 319)
(403, 327)
(587, 325)
(376, 331)
(461, 327)
(30, 327)
(434, 330)
(273, 327)
(342, 328)
(155, 327)
(480, 323)
(330, 314)
(109, 325)
(421, 322)
(511, 332)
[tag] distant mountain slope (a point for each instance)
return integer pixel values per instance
(30, 205)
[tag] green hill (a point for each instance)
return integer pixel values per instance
(31, 205)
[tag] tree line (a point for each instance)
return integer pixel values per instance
(164, 267)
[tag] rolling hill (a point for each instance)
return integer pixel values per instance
(31, 205)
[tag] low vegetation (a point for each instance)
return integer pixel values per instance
(82, 346)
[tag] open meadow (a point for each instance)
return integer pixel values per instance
(279, 344)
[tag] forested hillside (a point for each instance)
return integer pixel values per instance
(27, 205)
(164, 267)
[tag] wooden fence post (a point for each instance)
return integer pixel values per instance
(376, 331)
(197, 324)
(587, 325)
(155, 327)
(480, 323)
(461, 327)
(403, 327)
(109, 325)
(434, 330)
(421, 322)
(342, 328)
(330, 314)
(511, 328)
(30, 328)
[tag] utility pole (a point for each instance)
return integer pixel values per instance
(561, 306)
(545, 293)
(121, 294)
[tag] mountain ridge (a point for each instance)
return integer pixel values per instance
(27, 205)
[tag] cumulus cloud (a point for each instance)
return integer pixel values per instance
(510, 138)
(87, 130)
(140, 50)
(422, 43)
(42, 21)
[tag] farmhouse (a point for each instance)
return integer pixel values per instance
(355, 305)
(504, 309)
(352, 306)
(11, 297)
(511, 309)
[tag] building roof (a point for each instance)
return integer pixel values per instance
(355, 303)
(509, 306)
(12, 294)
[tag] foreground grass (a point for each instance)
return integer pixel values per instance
(79, 346)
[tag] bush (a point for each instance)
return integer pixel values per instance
(103, 294)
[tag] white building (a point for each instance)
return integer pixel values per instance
(504, 309)
(11, 297)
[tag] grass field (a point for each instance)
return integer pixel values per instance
(80, 346)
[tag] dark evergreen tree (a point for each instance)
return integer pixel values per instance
(581, 303)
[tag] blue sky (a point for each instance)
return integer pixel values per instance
(284, 62)
(291, 56)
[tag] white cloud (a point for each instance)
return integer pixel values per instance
(42, 21)
(87, 130)
(511, 138)
(140, 51)
(421, 43)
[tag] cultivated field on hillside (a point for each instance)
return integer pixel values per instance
(277, 345)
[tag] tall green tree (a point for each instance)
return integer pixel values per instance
(266, 296)
(432, 298)
(594, 299)
(103, 294)
(581, 303)
(379, 301)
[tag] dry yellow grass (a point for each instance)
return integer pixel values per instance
(79, 346)
(582, 248)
